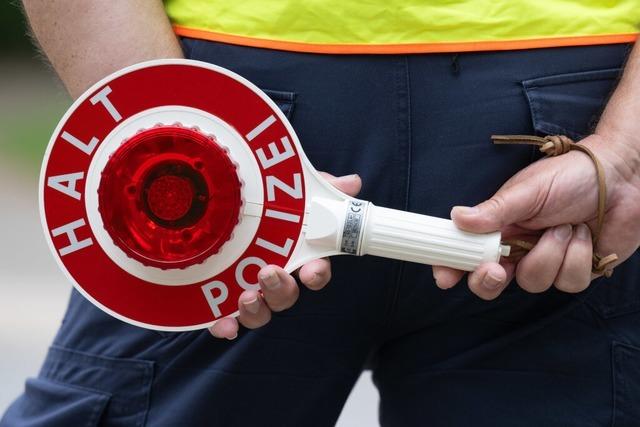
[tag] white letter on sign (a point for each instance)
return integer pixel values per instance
(101, 97)
(214, 302)
(276, 156)
(252, 260)
(280, 250)
(261, 128)
(273, 183)
(85, 148)
(70, 231)
(282, 215)
(56, 182)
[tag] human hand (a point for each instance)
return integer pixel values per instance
(555, 199)
(279, 289)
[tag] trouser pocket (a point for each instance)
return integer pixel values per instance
(570, 103)
(81, 389)
(47, 403)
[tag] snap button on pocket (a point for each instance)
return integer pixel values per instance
(569, 104)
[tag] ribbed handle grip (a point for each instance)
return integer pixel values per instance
(425, 239)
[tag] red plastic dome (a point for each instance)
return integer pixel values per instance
(170, 197)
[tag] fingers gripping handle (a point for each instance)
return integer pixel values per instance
(358, 227)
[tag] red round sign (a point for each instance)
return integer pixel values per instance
(176, 196)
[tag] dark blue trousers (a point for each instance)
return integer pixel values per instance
(416, 128)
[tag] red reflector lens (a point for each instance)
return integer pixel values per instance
(170, 197)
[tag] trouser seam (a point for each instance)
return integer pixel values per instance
(403, 135)
(408, 133)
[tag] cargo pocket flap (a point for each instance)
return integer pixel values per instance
(127, 381)
(48, 403)
(569, 104)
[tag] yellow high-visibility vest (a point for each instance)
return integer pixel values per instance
(406, 26)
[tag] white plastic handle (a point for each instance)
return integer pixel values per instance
(426, 239)
(358, 227)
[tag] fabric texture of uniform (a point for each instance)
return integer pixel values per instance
(416, 128)
(406, 26)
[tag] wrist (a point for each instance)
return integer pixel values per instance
(620, 161)
(619, 148)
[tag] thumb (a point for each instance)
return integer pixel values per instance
(508, 206)
(349, 184)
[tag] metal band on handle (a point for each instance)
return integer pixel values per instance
(353, 222)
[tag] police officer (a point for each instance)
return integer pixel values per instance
(406, 94)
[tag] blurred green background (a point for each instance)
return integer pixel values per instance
(33, 291)
(31, 99)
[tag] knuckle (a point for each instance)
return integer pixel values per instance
(284, 301)
(496, 204)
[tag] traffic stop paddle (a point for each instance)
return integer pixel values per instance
(170, 183)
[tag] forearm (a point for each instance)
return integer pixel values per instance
(85, 41)
(620, 121)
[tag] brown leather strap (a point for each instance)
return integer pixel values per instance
(555, 145)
